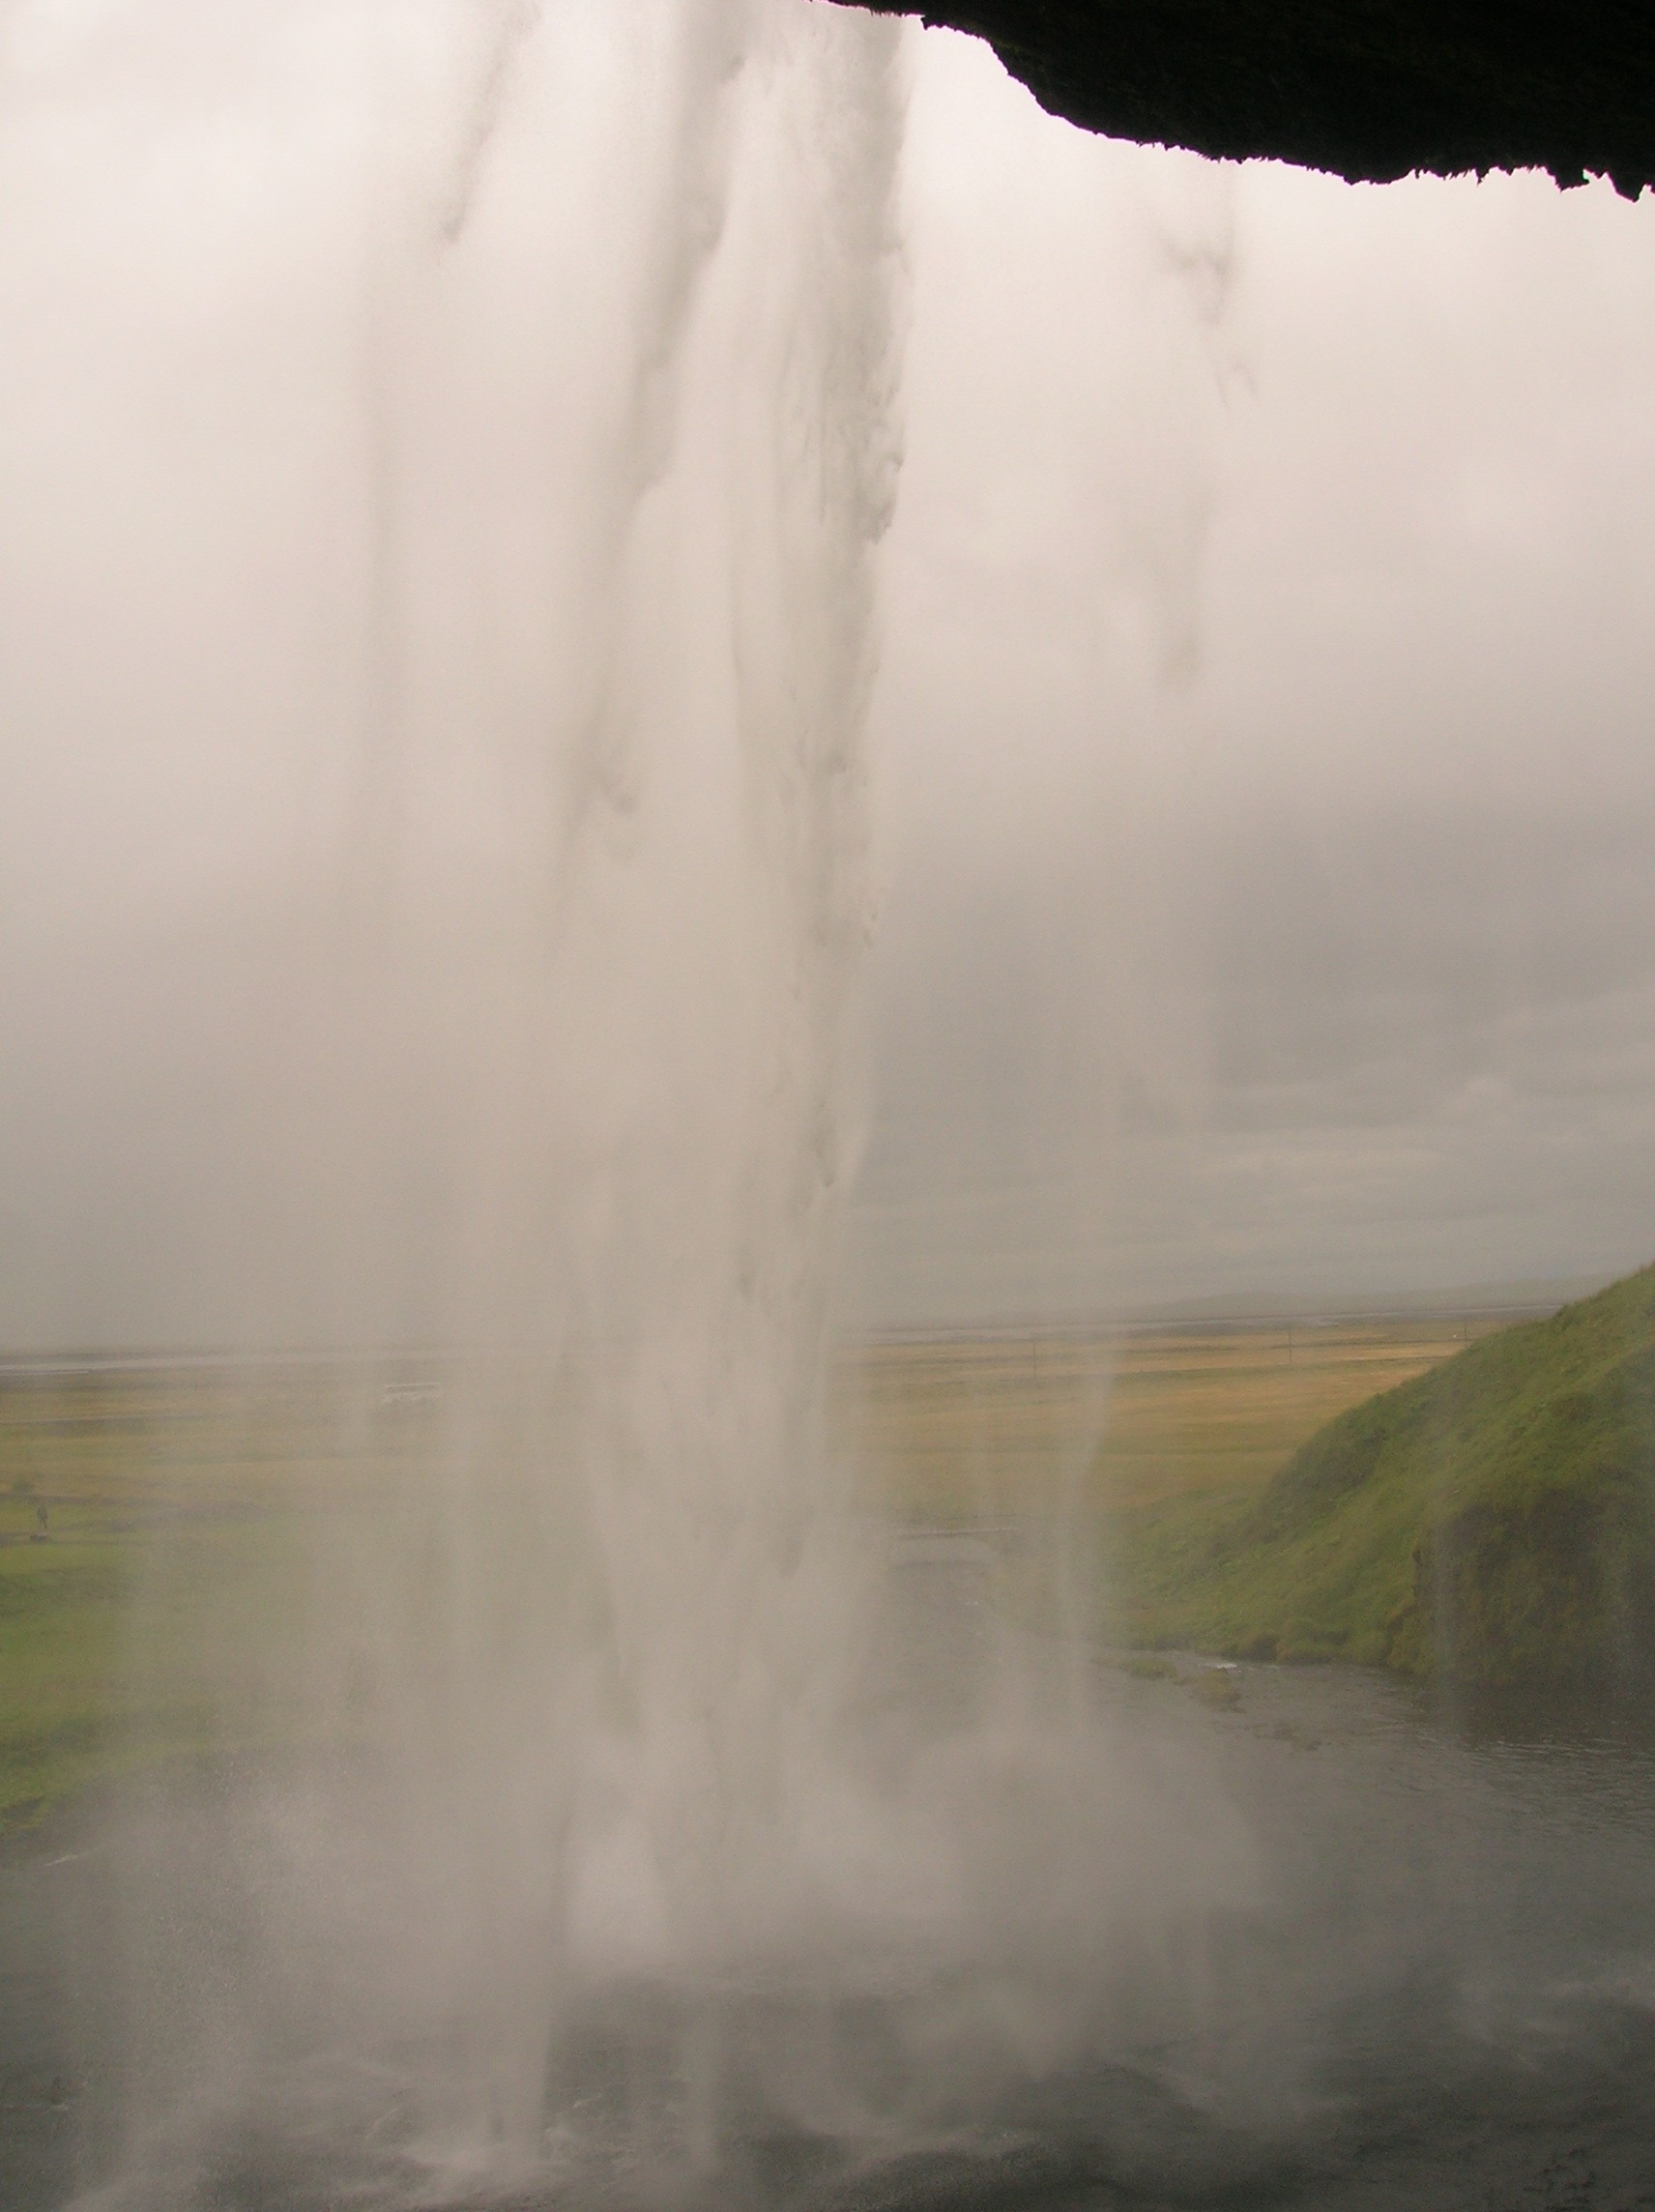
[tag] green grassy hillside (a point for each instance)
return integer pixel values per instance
(1493, 1521)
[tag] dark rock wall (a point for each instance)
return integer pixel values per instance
(1363, 88)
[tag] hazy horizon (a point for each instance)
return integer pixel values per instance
(1263, 794)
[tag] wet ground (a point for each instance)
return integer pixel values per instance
(1437, 1991)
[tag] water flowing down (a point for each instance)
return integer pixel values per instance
(590, 1839)
(600, 1654)
(594, 1613)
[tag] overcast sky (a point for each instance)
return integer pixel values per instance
(1265, 792)
(1268, 699)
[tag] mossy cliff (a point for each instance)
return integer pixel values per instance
(1491, 1522)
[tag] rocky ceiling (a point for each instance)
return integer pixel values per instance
(1363, 88)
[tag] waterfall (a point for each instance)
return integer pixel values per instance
(610, 813)
(607, 1805)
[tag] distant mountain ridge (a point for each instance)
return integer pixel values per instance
(1491, 1522)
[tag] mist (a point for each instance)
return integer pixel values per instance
(692, 710)
(1259, 774)
(1263, 716)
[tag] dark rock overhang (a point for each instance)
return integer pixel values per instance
(1365, 89)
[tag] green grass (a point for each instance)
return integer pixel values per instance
(159, 1611)
(1142, 1452)
(1246, 1489)
(118, 1651)
(1493, 1521)
(61, 1611)
(251, 1560)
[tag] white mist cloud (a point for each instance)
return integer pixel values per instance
(1266, 703)
(1261, 732)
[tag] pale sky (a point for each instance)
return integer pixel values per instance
(1262, 736)
(1270, 697)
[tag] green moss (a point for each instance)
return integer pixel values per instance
(1493, 1521)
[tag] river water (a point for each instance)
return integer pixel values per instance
(1432, 1984)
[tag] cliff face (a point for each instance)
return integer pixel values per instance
(1365, 89)
(1491, 1523)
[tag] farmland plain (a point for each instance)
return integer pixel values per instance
(162, 1525)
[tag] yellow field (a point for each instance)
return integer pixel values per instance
(160, 1606)
(963, 1427)
(955, 1424)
